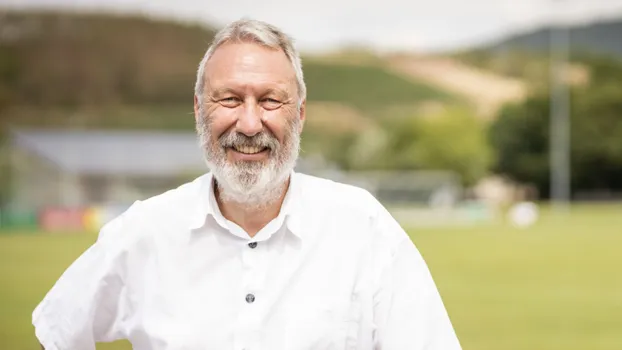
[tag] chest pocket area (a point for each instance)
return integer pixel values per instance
(313, 326)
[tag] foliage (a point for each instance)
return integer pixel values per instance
(603, 69)
(5, 170)
(332, 144)
(59, 59)
(521, 137)
(452, 139)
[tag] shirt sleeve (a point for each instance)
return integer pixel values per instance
(83, 306)
(408, 309)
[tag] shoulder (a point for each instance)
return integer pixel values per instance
(337, 197)
(346, 202)
(353, 215)
(146, 217)
(170, 204)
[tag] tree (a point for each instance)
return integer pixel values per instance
(520, 136)
(452, 139)
(597, 139)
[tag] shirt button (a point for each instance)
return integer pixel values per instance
(250, 298)
(252, 245)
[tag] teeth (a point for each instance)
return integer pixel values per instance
(247, 149)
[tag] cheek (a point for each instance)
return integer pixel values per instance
(278, 122)
(221, 120)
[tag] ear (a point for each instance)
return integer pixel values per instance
(303, 115)
(197, 115)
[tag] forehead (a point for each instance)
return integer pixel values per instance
(248, 65)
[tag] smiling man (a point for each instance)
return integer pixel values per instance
(252, 255)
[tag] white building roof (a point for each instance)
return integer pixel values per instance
(106, 152)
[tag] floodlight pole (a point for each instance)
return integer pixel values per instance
(560, 119)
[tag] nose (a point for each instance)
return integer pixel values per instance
(249, 121)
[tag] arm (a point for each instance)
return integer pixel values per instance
(408, 309)
(82, 308)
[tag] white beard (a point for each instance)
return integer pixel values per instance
(255, 185)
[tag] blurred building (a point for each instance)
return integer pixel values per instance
(77, 168)
(70, 179)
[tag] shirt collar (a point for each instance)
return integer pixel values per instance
(207, 206)
(291, 207)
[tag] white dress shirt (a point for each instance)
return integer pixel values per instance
(333, 271)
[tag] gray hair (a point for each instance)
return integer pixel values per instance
(248, 30)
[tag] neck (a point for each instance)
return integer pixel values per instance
(251, 218)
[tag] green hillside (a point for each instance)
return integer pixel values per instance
(365, 86)
(56, 59)
(122, 71)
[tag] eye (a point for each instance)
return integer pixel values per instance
(270, 103)
(230, 101)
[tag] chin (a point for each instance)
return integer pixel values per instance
(253, 186)
(253, 195)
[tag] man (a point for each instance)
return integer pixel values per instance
(251, 255)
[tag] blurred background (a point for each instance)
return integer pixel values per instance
(492, 130)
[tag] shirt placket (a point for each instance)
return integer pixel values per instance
(251, 296)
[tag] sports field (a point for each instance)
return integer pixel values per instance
(557, 285)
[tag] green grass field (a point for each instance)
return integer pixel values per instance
(557, 285)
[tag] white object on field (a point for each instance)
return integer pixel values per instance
(524, 214)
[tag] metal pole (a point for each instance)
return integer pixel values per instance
(560, 120)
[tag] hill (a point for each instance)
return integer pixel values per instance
(486, 91)
(84, 71)
(593, 48)
(366, 86)
(90, 69)
(598, 38)
(59, 59)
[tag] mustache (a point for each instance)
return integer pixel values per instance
(261, 140)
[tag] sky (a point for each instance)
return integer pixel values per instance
(386, 25)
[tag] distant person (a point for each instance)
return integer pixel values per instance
(251, 255)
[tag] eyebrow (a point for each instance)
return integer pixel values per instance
(278, 92)
(281, 93)
(222, 91)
